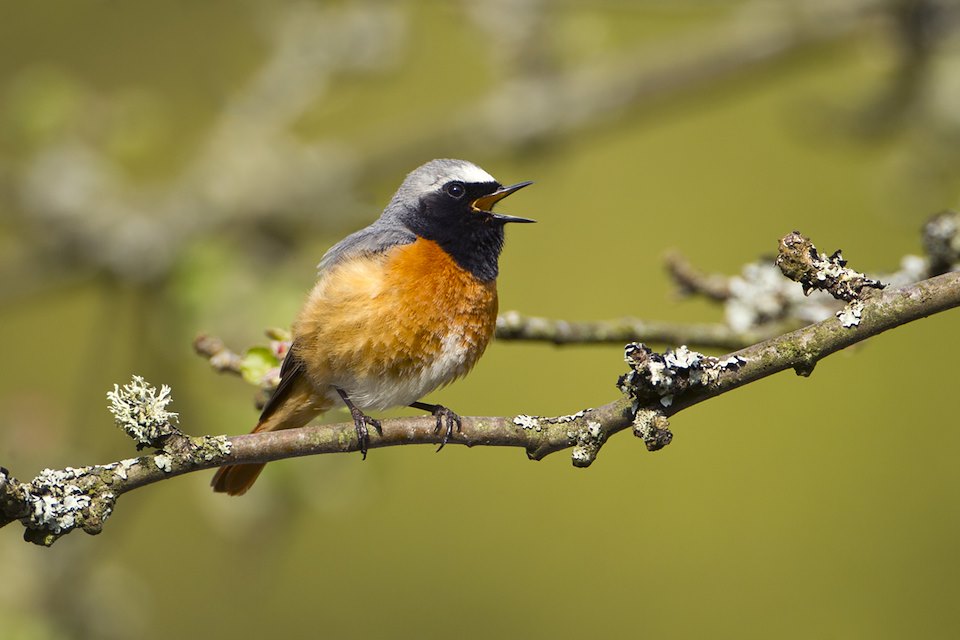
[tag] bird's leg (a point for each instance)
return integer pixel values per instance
(440, 413)
(360, 422)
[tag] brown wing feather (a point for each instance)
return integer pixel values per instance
(291, 369)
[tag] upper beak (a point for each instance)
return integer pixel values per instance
(485, 203)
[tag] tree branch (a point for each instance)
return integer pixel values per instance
(691, 280)
(514, 326)
(657, 387)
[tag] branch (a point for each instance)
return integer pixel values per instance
(657, 387)
(514, 326)
(691, 280)
(800, 261)
(941, 239)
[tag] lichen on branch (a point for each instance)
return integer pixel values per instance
(800, 261)
(141, 411)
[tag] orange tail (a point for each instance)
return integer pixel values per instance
(299, 406)
(236, 479)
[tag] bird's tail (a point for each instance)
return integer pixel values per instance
(236, 479)
(299, 407)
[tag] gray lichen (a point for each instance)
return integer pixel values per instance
(586, 437)
(537, 423)
(121, 468)
(656, 376)
(528, 422)
(663, 377)
(141, 412)
(207, 448)
(163, 462)
(800, 261)
(191, 451)
(652, 427)
(60, 500)
(587, 442)
(56, 502)
(569, 418)
(850, 315)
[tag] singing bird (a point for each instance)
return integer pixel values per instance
(400, 308)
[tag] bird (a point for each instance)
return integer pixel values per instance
(399, 309)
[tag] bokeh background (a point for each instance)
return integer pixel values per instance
(173, 167)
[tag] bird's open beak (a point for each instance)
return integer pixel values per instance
(484, 204)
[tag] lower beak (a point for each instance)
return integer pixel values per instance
(485, 203)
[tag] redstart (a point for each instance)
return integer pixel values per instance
(399, 309)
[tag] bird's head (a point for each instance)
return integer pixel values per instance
(451, 202)
(455, 194)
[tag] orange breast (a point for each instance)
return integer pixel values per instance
(392, 327)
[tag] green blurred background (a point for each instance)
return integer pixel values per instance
(173, 167)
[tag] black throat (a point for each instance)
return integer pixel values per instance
(472, 238)
(477, 251)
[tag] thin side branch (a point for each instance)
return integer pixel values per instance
(691, 280)
(221, 358)
(800, 261)
(941, 239)
(514, 326)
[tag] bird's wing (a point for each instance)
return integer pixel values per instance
(376, 238)
(291, 369)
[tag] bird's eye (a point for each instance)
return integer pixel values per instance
(455, 189)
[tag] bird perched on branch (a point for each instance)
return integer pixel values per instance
(399, 309)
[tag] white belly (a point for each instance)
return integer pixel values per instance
(380, 393)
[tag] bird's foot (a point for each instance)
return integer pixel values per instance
(442, 414)
(360, 422)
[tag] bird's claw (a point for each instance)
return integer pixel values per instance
(360, 422)
(441, 413)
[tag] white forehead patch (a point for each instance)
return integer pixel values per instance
(436, 173)
(469, 172)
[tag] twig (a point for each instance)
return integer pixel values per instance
(691, 280)
(800, 261)
(941, 240)
(216, 352)
(514, 326)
